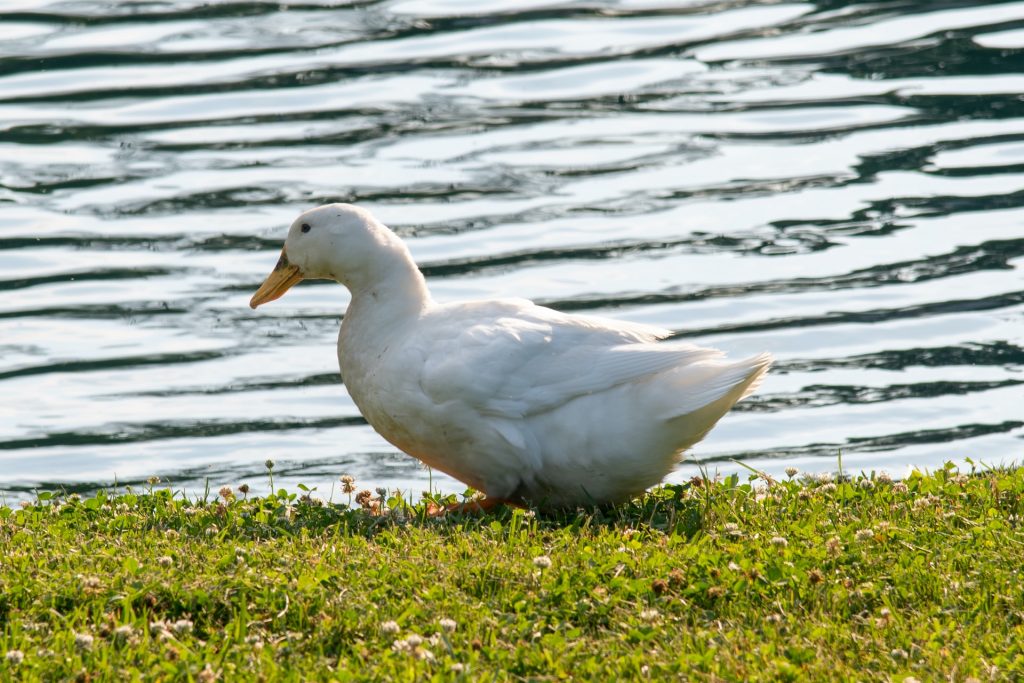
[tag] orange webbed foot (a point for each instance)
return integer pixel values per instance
(477, 506)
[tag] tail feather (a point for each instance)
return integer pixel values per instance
(760, 365)
(711, 394)
(704, 384)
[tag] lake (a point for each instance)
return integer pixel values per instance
(841, 184)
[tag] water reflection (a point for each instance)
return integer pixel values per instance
(840, 183)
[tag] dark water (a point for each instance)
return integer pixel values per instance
(839, 183)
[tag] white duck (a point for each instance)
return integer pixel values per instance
(519, 401)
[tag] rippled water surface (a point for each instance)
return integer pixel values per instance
(839, 183)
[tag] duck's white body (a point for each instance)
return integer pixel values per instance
(519, 401)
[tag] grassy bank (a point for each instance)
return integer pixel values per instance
(864, 579)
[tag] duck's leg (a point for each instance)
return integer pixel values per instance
(481, 505)
(477, 507)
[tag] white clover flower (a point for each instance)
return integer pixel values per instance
(165, 561)
(458, 667)
(413, 640)
(14, 657)
(83, 641)
(182, 627)
(390, 627)
(448, 625)
(542, 562)
(650, 615)
(779, 541)
(883, 477)
(732, 529)
(424, 654)
(123, 634)
(900, 487)
(348, 483)
(864, 535)
(791, 472)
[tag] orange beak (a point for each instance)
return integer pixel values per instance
(277, 283)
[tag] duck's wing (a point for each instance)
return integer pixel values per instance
(514, 359)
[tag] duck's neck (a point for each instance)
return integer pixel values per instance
(388, 293)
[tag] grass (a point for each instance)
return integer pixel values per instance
(855, 579)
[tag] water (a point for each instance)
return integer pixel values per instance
(841, 184)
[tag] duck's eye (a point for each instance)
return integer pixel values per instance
(305, 227)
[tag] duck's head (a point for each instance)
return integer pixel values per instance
(335, 242)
